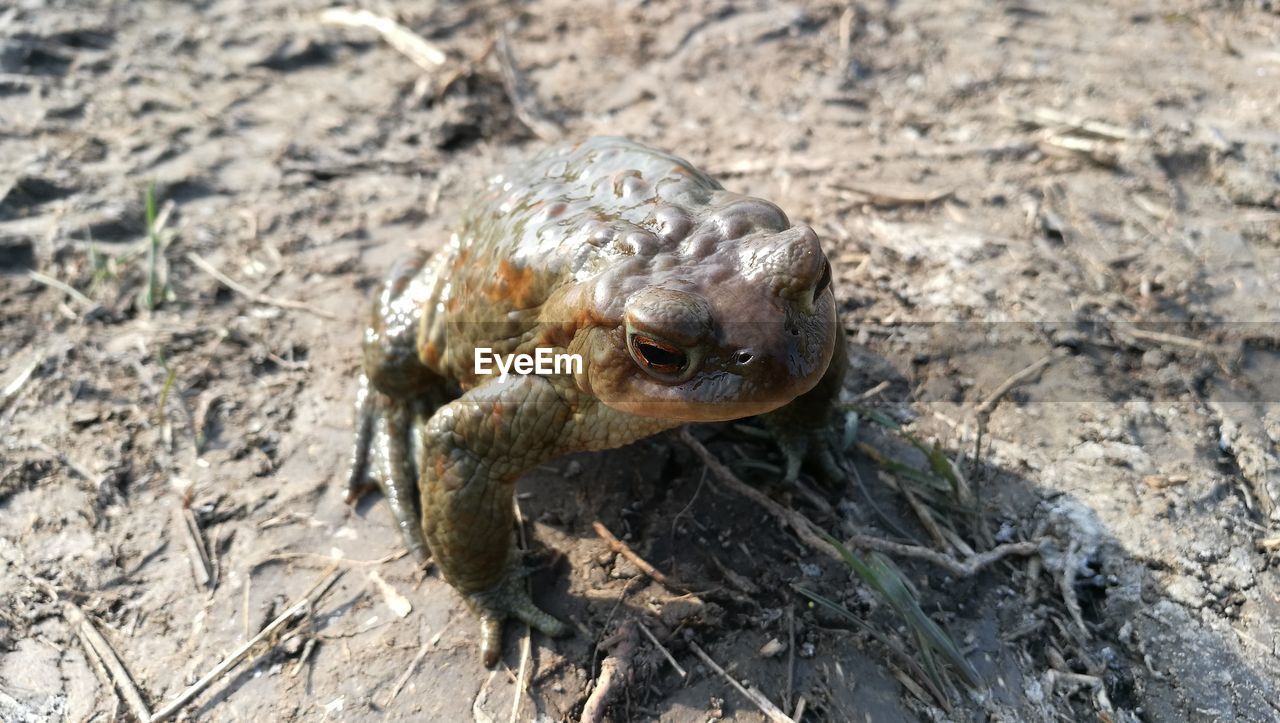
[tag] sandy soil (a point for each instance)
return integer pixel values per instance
(1093, 189)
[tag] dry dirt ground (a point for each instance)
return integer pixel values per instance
(1090, 190)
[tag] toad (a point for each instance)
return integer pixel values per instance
(677, 300)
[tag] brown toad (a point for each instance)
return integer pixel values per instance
(684, 303)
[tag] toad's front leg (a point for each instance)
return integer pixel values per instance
(803, 429)
(471, 454)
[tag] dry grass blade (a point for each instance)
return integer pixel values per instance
(1049, 117)
(88, 304)
(522, 673)
(812, 535)
(1160, 337)
(889, 644)
(250, 294)
(662, 649)
(410, 44)
(413, 666)
(788, 165)
(201, 564)
(881, 574)
(890, 197)
(98, 646)
(1065, 146)
(299, 605)
(791, 657)
(773, 712)
(925, 479)
(522, 98)
(24, 374)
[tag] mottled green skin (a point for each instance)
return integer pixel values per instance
(575, 250)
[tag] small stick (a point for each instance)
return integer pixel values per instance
(248, 586)
(526, 641)
(1163, 338)
(845, 33)
(522, 674)
(623, 549)
(172, 707)
(662, 649)
(302, 659)
(93, 640)
(923, 514)
(773, 712)
(1067, 586)
(65, 288)
(614, 671)
(201, 565)
(879, 196)
(799, 714)
(285, 556)
(807, 531)
(1048, 117)
(1074, 147)
(1018, 378)
(250, 294)
(104, 678)
(791, 657)
(21, 378)
(410, 44)
(413, 666)
(874, 391)
(522, 99)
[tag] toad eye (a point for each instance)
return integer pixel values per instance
(657, 356)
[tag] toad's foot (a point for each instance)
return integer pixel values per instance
(381, 453)
(509, 599)
(818, 450)
(803, 428)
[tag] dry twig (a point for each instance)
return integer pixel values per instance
(20, 379)
(526, 641)
(69, 290)
(410, 44)
(773, 712)
(1160, 337)
(1048, 117)
(201, 564)
(881, 195)
(427, 645)
(614, 671)
(250, 294)
(791, 657)
(1099, 152)
(302, 603)
(98, 646)
(662, 649)
(623, 549)
(1021, 377)
(522, 99)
